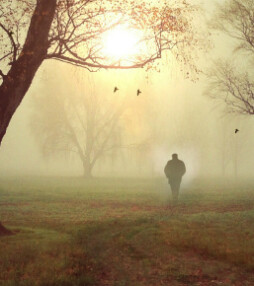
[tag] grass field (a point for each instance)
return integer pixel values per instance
(69, 231)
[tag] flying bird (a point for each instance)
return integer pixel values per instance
(236, 130)
(138, 92)
(116, 89)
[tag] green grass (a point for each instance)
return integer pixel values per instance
(71, 231)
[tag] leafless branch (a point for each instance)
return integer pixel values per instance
(236, 19)
(235, 89)
(2, 74)
(14, 46)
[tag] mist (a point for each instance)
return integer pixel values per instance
(129, 161)
(171, 115)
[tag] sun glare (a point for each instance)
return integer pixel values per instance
(121, 43)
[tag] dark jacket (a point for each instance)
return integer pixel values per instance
(174, 169)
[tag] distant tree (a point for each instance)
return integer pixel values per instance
(235, 18)
(32, 31)
(87, 125)
(234, 88)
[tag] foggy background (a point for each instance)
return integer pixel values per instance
(171, 115)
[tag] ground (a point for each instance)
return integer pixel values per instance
(72, 231)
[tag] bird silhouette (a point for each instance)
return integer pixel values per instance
(138, 92)
(116, 89)
(236, 130)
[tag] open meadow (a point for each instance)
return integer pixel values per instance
(71, 231)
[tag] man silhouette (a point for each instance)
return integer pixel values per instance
(174, 170)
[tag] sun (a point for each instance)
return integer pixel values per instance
(121, 43)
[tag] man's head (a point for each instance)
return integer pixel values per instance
(174, 156)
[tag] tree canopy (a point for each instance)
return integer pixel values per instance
(227, 82)
(71, 31)
(80, 122)
(77, 27)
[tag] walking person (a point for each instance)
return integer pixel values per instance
(174, 170)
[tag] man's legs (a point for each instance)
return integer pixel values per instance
(175, 195)
(175, 186)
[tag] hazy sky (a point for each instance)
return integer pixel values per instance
(187, 121)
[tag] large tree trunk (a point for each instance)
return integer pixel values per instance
(88, 167)
(19, 78)
(16, 83)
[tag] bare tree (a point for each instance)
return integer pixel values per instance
(32, 31)
(87, 125)
(234, 88)
(234, 18)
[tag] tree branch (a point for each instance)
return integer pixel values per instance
(2, 74)
(88, 65)
(14, 46)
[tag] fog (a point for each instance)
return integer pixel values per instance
(171, 115)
